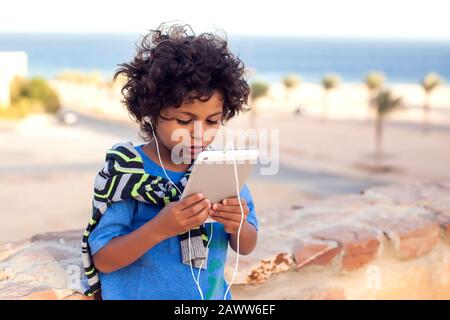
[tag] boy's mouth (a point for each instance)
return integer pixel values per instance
(197, 149)
(194, 149)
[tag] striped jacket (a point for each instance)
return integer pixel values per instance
(123, 177)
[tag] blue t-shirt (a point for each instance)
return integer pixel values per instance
(159, 273)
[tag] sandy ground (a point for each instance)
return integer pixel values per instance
(46, 177)
(347, 147)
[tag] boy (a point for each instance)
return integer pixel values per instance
(176, 80)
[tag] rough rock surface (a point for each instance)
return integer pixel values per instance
(390, 242)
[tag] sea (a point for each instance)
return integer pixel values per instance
(269, 58)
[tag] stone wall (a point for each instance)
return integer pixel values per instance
(388, 242)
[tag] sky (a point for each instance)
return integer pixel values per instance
(410, 19)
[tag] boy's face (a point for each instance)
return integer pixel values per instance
(193, 125)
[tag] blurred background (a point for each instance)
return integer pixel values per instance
(357, 89)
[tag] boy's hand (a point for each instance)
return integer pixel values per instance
(229, 213)
(180, 216)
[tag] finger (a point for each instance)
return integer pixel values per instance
(227, 215)
(192, 199)
(196, 208)
(235, 209)
(225, 221)
(197, 219)
(234, 201)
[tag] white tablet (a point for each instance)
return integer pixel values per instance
(214, 176)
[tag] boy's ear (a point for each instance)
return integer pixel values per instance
(148, 121)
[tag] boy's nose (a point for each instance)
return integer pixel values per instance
(197, 143)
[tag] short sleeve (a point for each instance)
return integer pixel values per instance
(116, 221)
(251, 217)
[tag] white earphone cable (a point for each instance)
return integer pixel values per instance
(240, 225)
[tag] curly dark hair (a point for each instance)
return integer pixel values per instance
(170, 64)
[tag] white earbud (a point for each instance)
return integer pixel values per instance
(147, 119)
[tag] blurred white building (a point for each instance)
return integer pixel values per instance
(12, 63)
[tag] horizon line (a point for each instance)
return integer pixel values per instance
(237, 35)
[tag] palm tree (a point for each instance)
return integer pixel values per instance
(429, 83)
(329, 82)
(384, 103)
(258, 89)
(291, 82)
(374, 81)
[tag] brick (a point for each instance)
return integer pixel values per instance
(77, 296)
(314, 252)
(412, 235)
(42, 295)
(350, 262)
(419, 242)
(359, 245)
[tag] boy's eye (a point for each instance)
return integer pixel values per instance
(183, 121)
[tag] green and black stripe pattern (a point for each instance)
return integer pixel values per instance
(123, 177)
